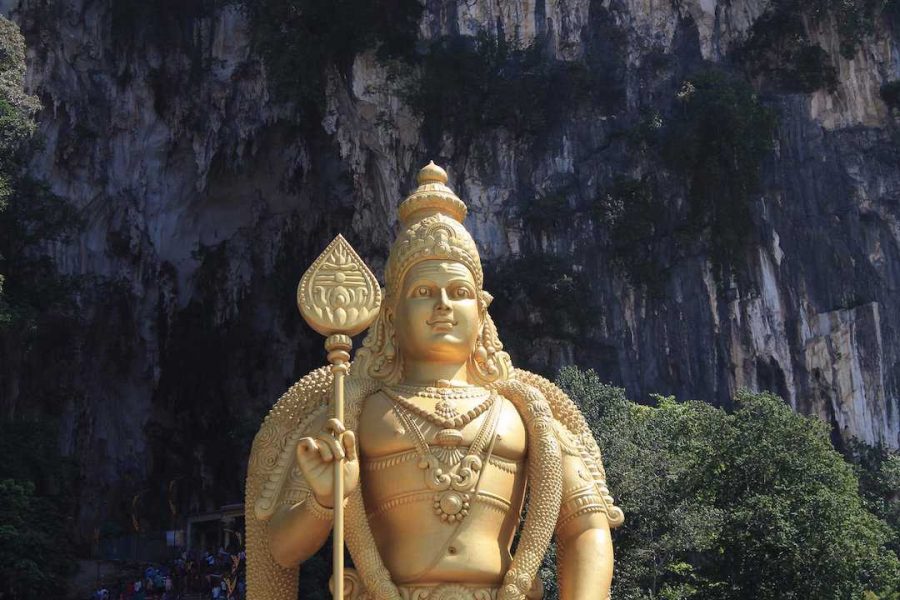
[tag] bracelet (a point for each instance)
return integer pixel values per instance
(318, 511)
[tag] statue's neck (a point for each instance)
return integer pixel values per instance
(427, 373)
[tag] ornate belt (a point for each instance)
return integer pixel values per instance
(355, 590)
(447, 591)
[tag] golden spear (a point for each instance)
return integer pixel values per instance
(339, 297)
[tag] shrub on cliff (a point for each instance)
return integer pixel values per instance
(779, 52)
(299, 40)
(640, 226)
(29, 213)
(718, 137)
(470, 84)
(16, 125)
(539, 297)
(853, 20)
(754, 504)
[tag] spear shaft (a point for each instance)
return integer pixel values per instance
(338, 347)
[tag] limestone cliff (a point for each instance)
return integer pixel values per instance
(204, 193)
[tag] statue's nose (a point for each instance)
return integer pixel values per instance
(443, 301)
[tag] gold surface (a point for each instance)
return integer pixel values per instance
(338, 293)
(446, 438)
(338, 296)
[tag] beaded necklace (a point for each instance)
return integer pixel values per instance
(445, 416)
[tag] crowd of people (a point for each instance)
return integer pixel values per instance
(209, 575)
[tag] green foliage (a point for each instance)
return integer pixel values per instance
(5, 314)
(779, 51)
(539, 295)
(300, 40)
(17, 129)
(548, 282)
(35, 494)
(548, 209)
(27, 551)
(890, 93)
(470, 84)
(878, 469)
(755, 504)
(17, 109)
(854, 19)
(636, 220)
(717, 138)
(31, 454)
(33, 286)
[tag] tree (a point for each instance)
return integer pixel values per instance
(35, 484)
(16, 118)
(31, 563)
(753, 504)
(878, 469)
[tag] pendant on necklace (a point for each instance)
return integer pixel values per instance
(445, 409)
(448, 437)
(451, 506)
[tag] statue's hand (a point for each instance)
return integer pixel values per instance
(316, 457)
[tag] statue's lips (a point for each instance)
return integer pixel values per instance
(438, 322)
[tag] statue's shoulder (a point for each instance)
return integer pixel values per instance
(524, 388)
(565, 411)
(574, 434)
(306, 397)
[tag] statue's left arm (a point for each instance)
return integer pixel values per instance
(587, 510)
(584, 545)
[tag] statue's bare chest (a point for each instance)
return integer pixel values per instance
(386, 428)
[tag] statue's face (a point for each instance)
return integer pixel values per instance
(436, 316)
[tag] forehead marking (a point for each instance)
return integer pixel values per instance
(430, 266)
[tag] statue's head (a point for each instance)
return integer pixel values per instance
(435, 307)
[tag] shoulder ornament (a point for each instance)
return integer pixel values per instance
(579, 438)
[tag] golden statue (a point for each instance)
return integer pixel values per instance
(441, 441)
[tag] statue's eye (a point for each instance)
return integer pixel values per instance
(422, 291)
(463, 292)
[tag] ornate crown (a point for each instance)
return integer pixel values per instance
(431, 218)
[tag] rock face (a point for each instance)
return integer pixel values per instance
(204, 196)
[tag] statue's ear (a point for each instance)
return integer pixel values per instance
(486, 298)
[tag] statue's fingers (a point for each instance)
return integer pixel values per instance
(325, 453)
(348, 440)
(335, 427)
(307, 451)
(330, 445)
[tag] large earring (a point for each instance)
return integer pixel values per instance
(381, 348)
(392, 368)
(390, 344)
(483, 356)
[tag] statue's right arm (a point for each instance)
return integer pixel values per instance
(297, 531)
